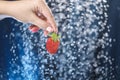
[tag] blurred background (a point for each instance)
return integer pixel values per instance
(89, 48)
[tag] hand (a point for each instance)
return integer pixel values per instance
(33, 11)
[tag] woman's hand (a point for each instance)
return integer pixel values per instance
(32, 11)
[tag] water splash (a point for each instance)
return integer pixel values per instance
(85, 36)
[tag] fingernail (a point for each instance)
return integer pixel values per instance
(49, 29)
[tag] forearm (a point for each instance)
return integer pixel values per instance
(4, 7)
(7, 7)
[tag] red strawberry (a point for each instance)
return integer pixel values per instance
(52, 43)
(34, 28)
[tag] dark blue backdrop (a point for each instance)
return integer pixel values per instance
(5, 42)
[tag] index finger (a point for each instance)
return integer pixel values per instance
(48, 14)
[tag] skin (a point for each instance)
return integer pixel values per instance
(28, 11)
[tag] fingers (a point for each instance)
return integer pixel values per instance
(49, 29)
(41, 16)
(48, 14)
(34, 28)
(45, 20)
(39, 22)
(51, 20)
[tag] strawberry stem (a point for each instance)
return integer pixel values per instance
(55, 37)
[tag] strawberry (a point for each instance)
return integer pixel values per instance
(34, 28)
(52, 43)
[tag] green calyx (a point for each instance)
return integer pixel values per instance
(55, 37)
